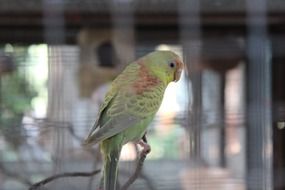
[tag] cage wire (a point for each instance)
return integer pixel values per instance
(217, 137)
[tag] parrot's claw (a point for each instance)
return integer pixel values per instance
(145, 146)
(144, 138)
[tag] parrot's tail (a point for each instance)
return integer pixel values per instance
(111, 170)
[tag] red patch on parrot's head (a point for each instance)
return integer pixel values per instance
(145, 81)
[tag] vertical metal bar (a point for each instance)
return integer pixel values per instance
(223, 160)
(123, 30)
(1, 102)
(53, 20)
(190, 32)
(278, 120)
(258, 98)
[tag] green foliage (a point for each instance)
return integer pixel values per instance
(16, 94)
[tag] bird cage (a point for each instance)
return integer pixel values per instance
(219, 127)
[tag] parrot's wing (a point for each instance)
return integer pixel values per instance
(122, 112)
(103, 121)
(112, 127)
(108, 98)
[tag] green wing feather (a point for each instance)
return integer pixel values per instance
(122, 108)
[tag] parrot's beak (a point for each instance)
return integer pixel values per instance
(177, 74)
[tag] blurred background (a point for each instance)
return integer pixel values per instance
(221, 127)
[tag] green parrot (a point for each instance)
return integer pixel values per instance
(130, 105)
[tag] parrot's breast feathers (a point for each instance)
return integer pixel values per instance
(145, 81)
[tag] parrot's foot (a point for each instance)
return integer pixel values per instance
(145, 146)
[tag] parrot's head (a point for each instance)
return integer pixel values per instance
(165, 65)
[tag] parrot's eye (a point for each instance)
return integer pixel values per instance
(172, 65)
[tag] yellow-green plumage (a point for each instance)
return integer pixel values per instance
(130, 105)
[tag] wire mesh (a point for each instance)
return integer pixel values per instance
(213, 130)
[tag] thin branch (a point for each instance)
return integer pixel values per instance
(136, 174)
(130, 181)
(63, 175)
(150, 185)
(148, 181)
